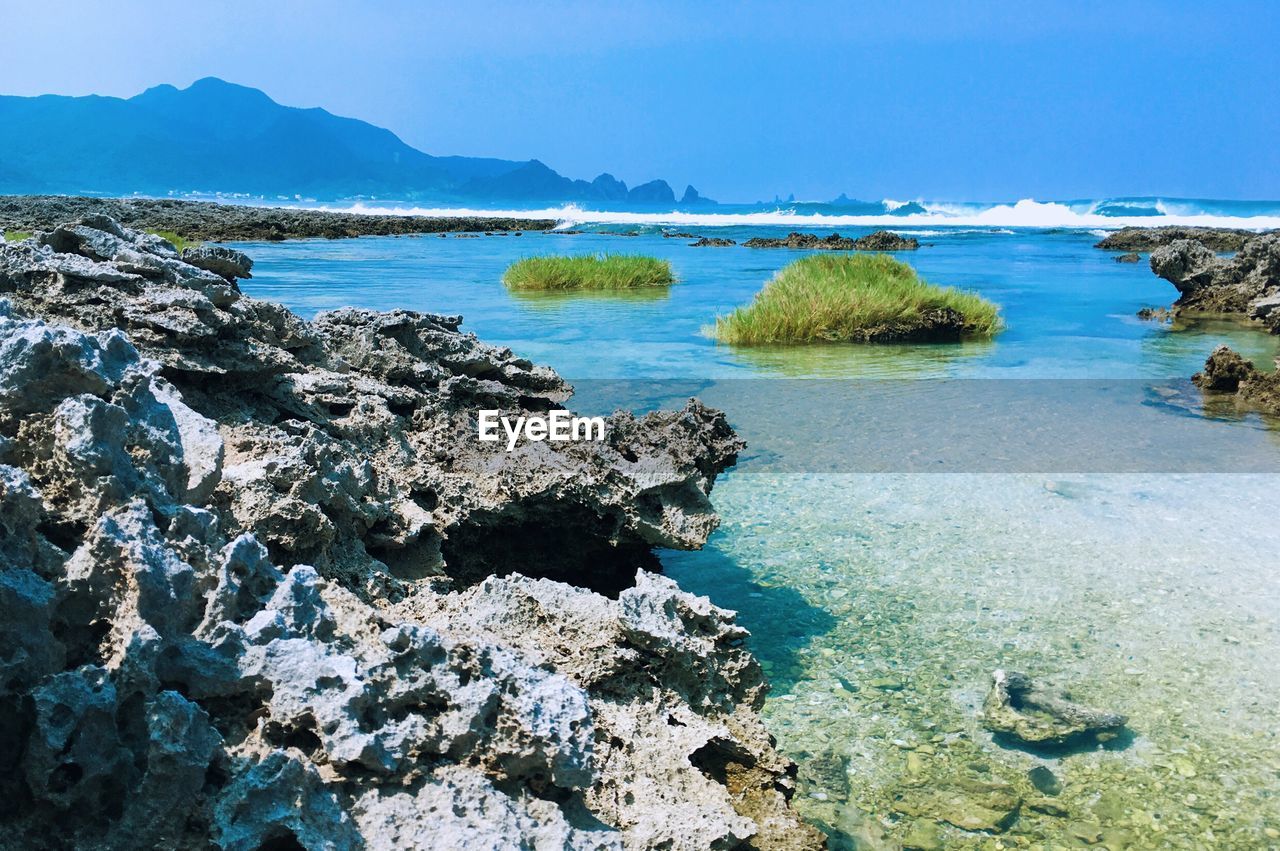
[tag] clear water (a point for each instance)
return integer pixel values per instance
(880, 603)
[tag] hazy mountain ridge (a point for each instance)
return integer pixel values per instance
(218, 137)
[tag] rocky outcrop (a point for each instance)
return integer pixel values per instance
(712, 242)
(1247, 283)
(879, 241)
(1131, 257)
(1226, 372)
(219, 260)
(884, 240)
(1017, 707)
(795, 240)
(1148, 239)
(201, 220)
(260, 587)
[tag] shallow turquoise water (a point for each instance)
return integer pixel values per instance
(1154, 594)
(1069, 308)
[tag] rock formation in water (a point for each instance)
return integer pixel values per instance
(1148, 239)
(1131, 257)
(201, 220)
(879, 241)
(1226, 372)
(1247, 283)
(260, 587)
(886, 240)
(1017, 707)
(712, 242)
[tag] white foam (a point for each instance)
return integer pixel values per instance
(1026, 213)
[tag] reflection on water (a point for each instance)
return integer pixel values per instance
(853, 360)
(880, 603)
(544, 300)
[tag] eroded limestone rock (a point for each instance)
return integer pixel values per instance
(1226, 372)
(256, 590)
(1247, 283)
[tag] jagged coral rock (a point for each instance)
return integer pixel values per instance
(220, 260)
(251, 591)
(1247, 283)
(1225, 371)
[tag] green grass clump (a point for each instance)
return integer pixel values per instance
(177, 240)
(588, 272)
(848, 298)
(15, 235)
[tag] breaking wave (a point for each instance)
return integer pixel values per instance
(1101, 215)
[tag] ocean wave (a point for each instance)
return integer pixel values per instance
(1027, 213)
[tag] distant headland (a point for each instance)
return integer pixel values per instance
(215, 137)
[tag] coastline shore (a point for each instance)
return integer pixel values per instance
(215, 222)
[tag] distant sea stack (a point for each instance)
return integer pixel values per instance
(691, 198)
(653, 192)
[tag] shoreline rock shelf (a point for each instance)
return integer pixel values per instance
(257, 588)
(1149, 239)
(214, 222)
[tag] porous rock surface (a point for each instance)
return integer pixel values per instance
(1248, 283)
(204, 220)
(259, 590)
(1148, 239)
(1226, 372)
(881, 240)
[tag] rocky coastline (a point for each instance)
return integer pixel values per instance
(1246, 284)
(1227, 374)
(881, 240)
(1148, 239)
(208, 221)
(260, 587)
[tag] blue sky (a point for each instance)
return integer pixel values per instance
(940, 100)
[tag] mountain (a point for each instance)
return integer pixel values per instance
(218, 137)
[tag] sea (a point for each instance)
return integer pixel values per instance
(908, 519)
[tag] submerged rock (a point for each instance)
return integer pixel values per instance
(968, 804)
(1045, 781)
(923, 836)
(1131, 257)
(1225, 371)
(261, 587)
(1017, 707)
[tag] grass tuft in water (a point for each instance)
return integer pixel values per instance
(601, 272)
(855, 298)
(177, 240)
